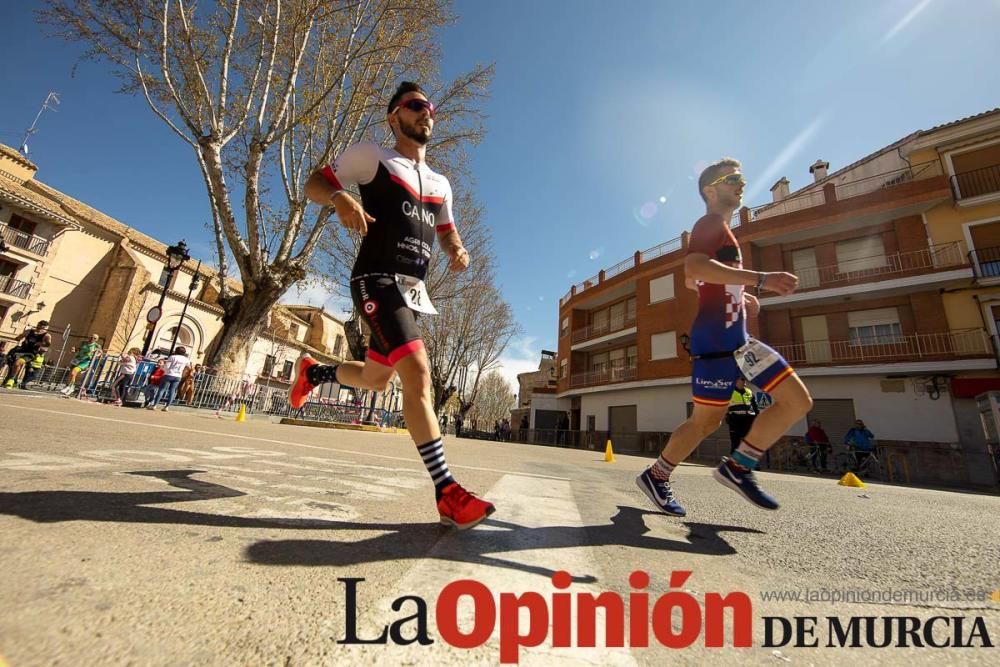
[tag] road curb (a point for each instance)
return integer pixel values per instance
(343, 427)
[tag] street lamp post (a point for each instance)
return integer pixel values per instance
(195, 284)
(176, 256)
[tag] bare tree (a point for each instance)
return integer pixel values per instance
(469, 334)
(265, 91)
(494, 401)
(126, 332)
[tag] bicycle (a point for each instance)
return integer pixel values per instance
(805, 456)
(847, 461)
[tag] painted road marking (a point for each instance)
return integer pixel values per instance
(366, 454)
(511, 559)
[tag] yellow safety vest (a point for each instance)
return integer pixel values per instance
(739, 403)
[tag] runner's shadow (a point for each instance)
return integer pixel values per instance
(395, 541)
(56, 506)
(481, 546)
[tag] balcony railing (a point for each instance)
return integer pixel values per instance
(889, 179)
(947, 345)
(845, 190)
(864, 270)
(985, 262)
(30, 242)
(604, 376)
(603, 328)
(14, 287)
(975, 183)
(803, 200)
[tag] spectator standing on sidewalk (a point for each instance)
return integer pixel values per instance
(153, 382)
(32, 369)
(128, 364)
(562, 428)
(186, 391)
(81, 361)
(859, 438)
(818, 438)
(173, 369)
(743, 410)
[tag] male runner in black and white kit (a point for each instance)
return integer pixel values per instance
(404, 205)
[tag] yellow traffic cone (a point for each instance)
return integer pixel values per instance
(241, 416)
(609, 453)
(850, 479)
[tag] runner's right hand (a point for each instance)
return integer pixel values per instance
(352, 215)
(781, 282)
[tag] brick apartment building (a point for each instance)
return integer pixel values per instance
(895, 320)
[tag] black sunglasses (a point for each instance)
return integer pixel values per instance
(417, 105)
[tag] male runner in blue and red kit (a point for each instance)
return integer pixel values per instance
(404, 204)
(721, 351)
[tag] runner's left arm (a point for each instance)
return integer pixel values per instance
(450, 240)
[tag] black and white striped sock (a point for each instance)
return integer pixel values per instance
(433, 456)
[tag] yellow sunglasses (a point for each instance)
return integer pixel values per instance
(730, 179)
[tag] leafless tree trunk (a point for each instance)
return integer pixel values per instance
(264, 92)
(494, 401)
(125, 333)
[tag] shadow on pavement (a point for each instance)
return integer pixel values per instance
(627, 528)
(397, 541)
(55, 506)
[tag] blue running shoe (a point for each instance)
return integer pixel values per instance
(744, 483)
(660, 493)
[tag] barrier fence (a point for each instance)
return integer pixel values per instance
(918, 463)
(213, 391)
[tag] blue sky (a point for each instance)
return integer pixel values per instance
(600, 115)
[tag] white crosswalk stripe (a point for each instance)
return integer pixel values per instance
(526, 509)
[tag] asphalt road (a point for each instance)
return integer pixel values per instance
(144, 538)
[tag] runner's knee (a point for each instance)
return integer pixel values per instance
(707, 422)
(416, 377)
(377, 377)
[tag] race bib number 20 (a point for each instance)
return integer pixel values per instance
(415, 295)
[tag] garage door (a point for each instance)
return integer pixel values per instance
(622, 421)
(837, 415)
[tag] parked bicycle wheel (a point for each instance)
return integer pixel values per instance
(843, 463)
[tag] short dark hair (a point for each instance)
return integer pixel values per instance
(42, 323)
(404, 88)
(180, 350)
(713, 171)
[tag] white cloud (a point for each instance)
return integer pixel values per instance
(521, 356)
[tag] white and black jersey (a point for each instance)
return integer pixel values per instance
(409, 201)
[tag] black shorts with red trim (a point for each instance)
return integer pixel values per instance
(393, 324)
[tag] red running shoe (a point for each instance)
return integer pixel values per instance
(299, 393)
(461, 509)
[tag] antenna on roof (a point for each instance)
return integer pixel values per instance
(53, 99)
